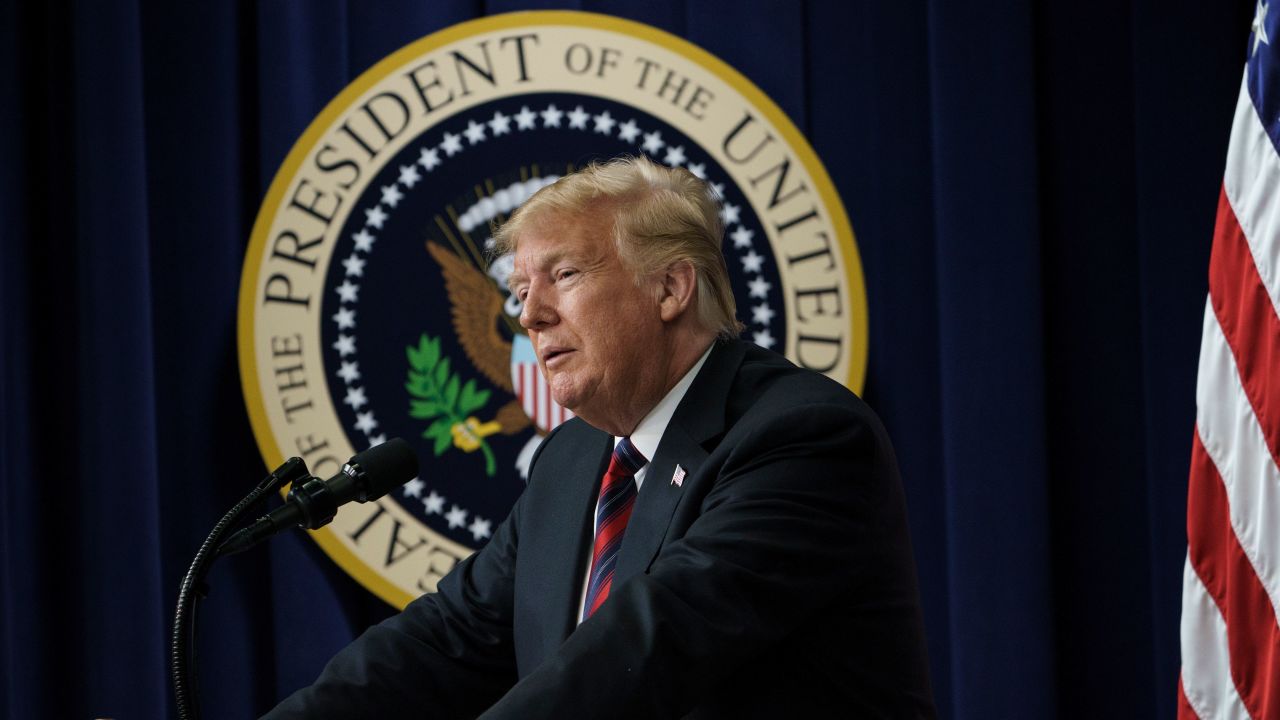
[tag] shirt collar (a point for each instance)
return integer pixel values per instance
(650, 430)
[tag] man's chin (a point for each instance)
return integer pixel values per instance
(576, 399)
(573, 402)
(565, 398)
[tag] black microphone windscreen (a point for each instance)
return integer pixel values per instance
(387, 466)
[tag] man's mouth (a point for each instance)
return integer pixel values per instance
(551, 354)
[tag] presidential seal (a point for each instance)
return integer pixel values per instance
(371, 306)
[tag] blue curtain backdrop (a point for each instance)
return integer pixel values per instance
(1032, 186)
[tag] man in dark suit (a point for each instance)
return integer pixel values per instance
(718, 534)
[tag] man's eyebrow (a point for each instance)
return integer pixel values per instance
(540, 264)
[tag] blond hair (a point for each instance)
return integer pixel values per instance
(661, 216)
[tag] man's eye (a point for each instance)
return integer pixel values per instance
(565, 274)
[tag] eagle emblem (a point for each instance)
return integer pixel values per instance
(485, 320)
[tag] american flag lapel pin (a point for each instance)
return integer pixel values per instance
(677, 478)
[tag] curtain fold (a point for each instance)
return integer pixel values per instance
(111, 471)
(987, 263)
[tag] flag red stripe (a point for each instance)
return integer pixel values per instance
(539, 389)
(546, 407)
(1253, 634)
(1185, 711)
(531, 391)
(1248, 319)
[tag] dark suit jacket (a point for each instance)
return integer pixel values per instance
(777, 580)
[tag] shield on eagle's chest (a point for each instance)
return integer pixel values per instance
(531, 387)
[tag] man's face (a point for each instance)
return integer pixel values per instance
(599, 337)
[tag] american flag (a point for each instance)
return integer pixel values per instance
(1231, 582)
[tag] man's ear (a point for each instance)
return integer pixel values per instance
(678, 291)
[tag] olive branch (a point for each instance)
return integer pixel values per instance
(440, 396)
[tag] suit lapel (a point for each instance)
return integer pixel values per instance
(574, 528)
(698, 419)
(656, 502)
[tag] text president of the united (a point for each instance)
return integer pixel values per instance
(717, 534)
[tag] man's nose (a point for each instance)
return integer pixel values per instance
(538, 310)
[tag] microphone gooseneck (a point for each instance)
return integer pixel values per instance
(312, 503)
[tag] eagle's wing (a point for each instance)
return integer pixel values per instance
(476, 309)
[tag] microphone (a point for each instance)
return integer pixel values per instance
(312, 504)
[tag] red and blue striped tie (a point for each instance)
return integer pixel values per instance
(617, 497)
